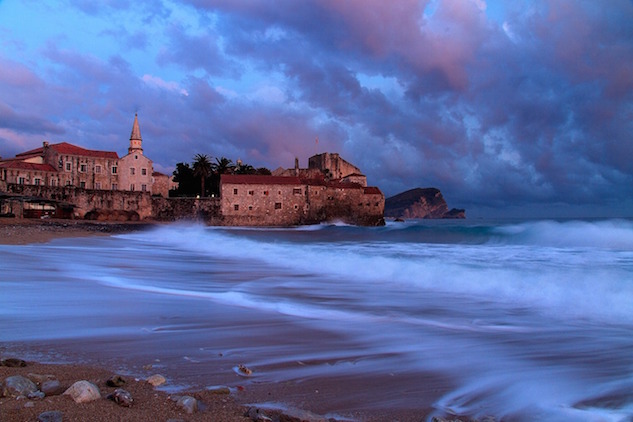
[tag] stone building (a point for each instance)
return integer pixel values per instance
(302, 196)
(67, 165)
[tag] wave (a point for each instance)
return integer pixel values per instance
(590, 277)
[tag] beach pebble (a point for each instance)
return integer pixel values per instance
(83, 391)
(12, 362)
(243, 370)
(156, 380)
(188, 404)
(18, 385)
(121, 397)
(39, 378)
(51, 387)
(50, 416)
(115, 381)
(257, 415)
(219, 390)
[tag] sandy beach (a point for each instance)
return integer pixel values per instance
(24, 231)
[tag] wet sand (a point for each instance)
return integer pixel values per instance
(24, 231)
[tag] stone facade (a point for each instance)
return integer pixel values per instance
(64, 164)
(287, 200)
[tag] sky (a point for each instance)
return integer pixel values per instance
(518, 108)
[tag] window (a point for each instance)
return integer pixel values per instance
(251, 192)
(83, 168)
(115, 186)
(234, 191)
(132, 170)
(144, 172)
(114, 170)
(98, 185)
(21, 180)
(236, 207)
(69, 166)
(265, 193)
(68, 183)
(144, 188)
(98, 169)
(132, 187)
(296, 191)
(82, 184)
(37, 181)
(53, 182)
(277, 205)
(250, 208)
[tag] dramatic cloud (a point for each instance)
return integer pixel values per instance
(507, 107)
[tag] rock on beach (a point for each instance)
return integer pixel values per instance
(83, 392)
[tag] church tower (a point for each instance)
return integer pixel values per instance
(136, 142)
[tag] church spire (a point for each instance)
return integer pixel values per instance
(136, 142)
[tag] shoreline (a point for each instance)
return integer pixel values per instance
(24, 231)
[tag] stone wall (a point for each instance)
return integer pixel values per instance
(86, 200)
(196, 209)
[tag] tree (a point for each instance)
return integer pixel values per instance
(223, 166)
(202, 168)
(183, 175)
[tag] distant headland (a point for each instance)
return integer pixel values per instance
(420, 203)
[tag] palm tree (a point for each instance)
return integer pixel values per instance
(222, 165)
(202, 168)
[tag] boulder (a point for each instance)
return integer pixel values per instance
(83, 392)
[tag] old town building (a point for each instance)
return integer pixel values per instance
(63, 164)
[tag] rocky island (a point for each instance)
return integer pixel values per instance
(424, 203)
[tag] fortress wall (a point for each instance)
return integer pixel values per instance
(258, 204)
(195, 209)
(86, 200)
(347, 204)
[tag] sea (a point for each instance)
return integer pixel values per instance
(512, 320)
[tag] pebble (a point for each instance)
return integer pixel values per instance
(188, 404)
(50, 416)
(83, 391)
(115, 381)
(51, 388)
(121, 397)
(39, 378)
(243, 370)
(18, 385)
(219, 390)
(12, 362)
(156, 380)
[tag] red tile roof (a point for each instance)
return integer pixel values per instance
(23, 165)
(372, 190)
(70, 149)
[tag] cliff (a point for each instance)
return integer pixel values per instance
(420, 203)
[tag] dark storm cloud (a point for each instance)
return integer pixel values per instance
(527, 105)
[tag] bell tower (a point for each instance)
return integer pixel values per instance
(136, 142)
